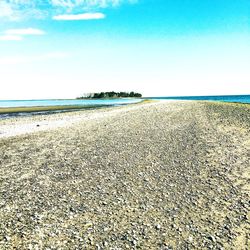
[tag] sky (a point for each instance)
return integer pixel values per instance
(65, 48)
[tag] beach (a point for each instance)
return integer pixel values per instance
(153, 175)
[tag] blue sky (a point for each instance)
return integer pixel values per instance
(63, 48)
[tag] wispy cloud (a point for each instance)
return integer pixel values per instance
(14, 10)
(85, 16)
(5, 9)
(89, 3)
(18, 34)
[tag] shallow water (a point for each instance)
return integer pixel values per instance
(36, 103)
(222, 98)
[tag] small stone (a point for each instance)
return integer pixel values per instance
(210, 237)
(190, 239)
(134, 242)
(89, 224)
(8, 238)
(158, 226)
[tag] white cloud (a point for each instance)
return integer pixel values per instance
(18, 34)
(23, 32)
(88, 3)
(14, 10)
(5, 9)
(10, 38)
(85, 16)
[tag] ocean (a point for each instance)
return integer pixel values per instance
(92, 102)
(221, 98)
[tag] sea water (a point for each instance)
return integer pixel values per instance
(83, 102)
(222, 98)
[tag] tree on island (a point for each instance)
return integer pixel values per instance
(111, 94)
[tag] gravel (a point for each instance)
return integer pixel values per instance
(164, 175)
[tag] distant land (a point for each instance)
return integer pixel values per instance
(111, 94)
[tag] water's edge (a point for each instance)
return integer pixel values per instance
(21, 108)
(222, 98)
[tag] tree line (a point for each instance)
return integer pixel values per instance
(111, 94)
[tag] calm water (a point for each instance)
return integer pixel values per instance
(232, 98)
(113, 102)
(35, 103)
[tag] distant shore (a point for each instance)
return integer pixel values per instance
(154, 175)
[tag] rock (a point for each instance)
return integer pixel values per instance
(134, 242)
(7, 238)
(210, 237)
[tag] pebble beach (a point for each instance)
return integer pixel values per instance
(154, 175)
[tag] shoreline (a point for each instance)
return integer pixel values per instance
(58, 107)
(6, 112)
(65, 108)
(35, 109)
(19, 125)
(9, 112)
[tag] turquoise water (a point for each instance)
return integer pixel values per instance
(114, 102)
(222, 98)
(36, 103)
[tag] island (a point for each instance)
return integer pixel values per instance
(111, 94)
